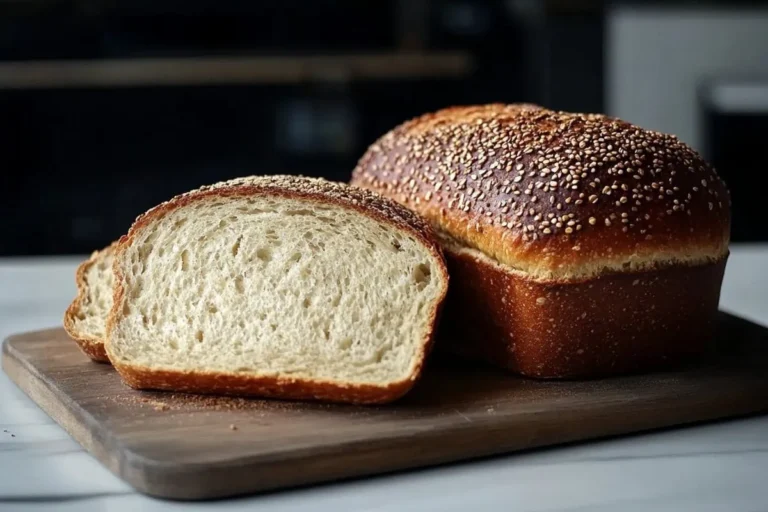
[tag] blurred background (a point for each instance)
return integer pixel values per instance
(108, 107)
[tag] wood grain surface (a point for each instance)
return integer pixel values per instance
(194, 447)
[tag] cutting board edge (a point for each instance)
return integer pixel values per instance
(75, 420)
(424, 462)
(154, 477)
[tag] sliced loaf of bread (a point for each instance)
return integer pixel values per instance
(86, 317)
(277, 286)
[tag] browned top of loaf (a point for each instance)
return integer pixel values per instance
(554, 194)
(360, 199)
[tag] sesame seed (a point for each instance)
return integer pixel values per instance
(460, 159)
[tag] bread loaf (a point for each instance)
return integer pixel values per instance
(86, 317)
(278, 287)
(578, 245)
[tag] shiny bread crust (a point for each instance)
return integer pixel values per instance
(555, 195)
(579, 245)
(295, 187)
(614, 324)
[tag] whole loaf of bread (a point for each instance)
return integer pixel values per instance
(579, 245)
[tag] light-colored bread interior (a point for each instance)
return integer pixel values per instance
(264, 285)
(86, 317)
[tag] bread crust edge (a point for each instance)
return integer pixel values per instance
(616, 324)
(91, 346)
(140, 377)
(418, 164)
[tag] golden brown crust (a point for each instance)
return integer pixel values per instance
(578, 245)
(264, 387)
(556, 195)
(362, 200)
(612, 324)
(92, 346)
(295, 187)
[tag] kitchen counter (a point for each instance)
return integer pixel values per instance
(714, 467)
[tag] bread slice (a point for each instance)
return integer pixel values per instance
(86, 317)
(277, 286)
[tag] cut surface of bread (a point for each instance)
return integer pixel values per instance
(86, 318)
(280, 286)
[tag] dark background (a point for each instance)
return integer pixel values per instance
(109, 107)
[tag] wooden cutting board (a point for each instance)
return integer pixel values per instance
(192, 447)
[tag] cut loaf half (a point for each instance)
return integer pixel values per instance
(278, 286)
(86, 317)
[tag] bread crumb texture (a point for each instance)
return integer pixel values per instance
(261, 284)
(86, 317)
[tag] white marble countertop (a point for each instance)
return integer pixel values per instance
(716, 467)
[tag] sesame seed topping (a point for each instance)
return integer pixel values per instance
(475, 161)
